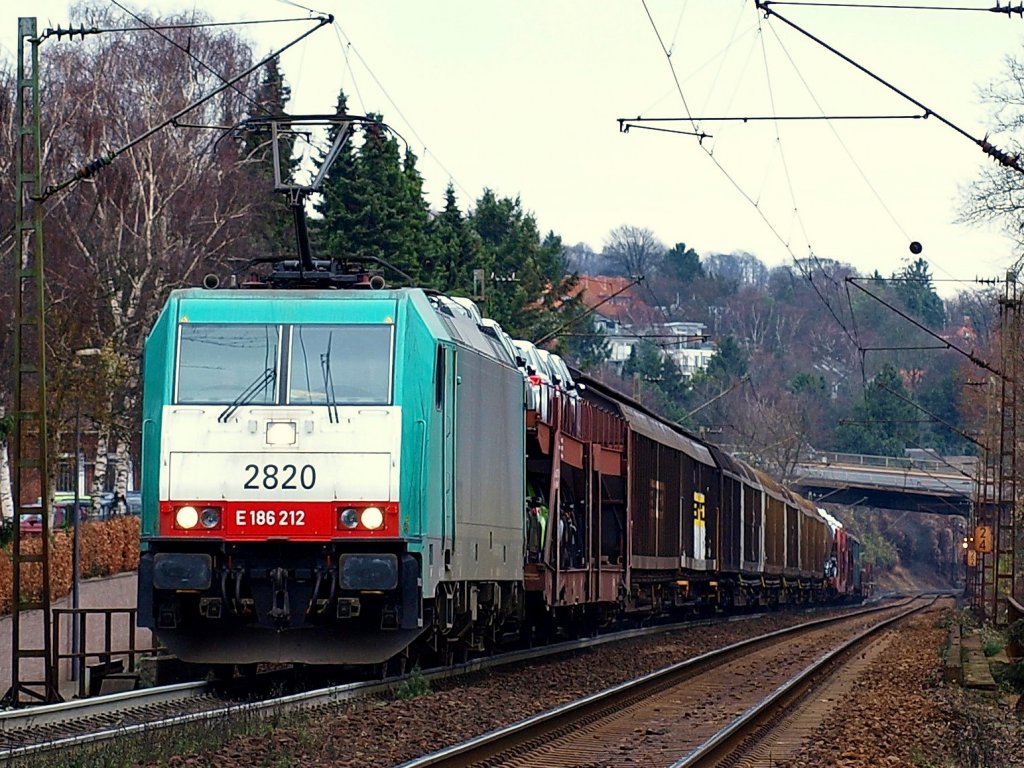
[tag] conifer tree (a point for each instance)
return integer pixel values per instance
(372, 205)
(275, 233)
(330, 230)
(883, 422)
(527, 287)
(454, 251)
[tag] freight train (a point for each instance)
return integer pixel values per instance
(335, 476)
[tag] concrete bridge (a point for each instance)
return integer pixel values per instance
(943, 486)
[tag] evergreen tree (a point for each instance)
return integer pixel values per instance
(941, 393)
(682, 263)
(454, 249)
(656, 380)
(584, 343)
(913, 284)
(275, 231)
(414, 213)
(883, 423)
(373, 206)
(374, 202)
(331, 229)
(527, 287)
(729, 363)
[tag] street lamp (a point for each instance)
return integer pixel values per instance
(76, 641)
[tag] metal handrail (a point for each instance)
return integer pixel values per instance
(108, 653)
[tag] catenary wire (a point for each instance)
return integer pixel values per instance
(736, 184)
(778, 143)
(187, 52)
(109, 156)
(387, 95)
(82, 30)
(1008, 9)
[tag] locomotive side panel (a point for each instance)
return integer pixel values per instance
(490, 470)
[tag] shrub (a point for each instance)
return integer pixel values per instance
(414, 686)
(106, 548)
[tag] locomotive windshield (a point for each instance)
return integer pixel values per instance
(218, 363)
(236, 364)
(340, 365)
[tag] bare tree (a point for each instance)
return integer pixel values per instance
(996, 195)
(167, 210)
(6, 495)
(740, 267)
(634, 250)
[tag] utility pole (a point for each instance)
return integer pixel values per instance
(29, 458)
(1005, 538)
(993, 537)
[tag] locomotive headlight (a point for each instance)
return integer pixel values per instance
(372, 518)
(281, 433)
(349, 518)
(186, 517)
(210, 517)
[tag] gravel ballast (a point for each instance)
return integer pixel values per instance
(902, 714)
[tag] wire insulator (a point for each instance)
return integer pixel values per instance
(1008, 9)
(1005, 158)
(71, 31)
(95, 165)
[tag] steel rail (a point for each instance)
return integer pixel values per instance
(743, 733)
(77, 709)
(566, 716)
(16, 719)
(80, 709)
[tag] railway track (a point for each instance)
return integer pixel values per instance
(39, 730)
(721, 698)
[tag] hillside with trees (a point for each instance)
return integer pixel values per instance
(809, 354)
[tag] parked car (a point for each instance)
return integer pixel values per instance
(132, 505)
(455, 306)
(468, 305)
(61, 516)
(63, 512)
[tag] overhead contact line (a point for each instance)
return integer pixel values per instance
(1007, 9)
(60, 32)
(101, 161)
(1004, 158)
(947, 344)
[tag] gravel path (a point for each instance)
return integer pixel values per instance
(906, 716)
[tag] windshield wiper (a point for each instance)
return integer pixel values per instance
(325, 368)
(265, 379)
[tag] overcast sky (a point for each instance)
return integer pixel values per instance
(523, 97)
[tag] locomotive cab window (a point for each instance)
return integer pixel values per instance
(226, 363)
(439, 379)
(340, 364)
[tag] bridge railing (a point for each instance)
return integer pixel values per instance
(966, 464)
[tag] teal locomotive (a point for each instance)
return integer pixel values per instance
(327, 474)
